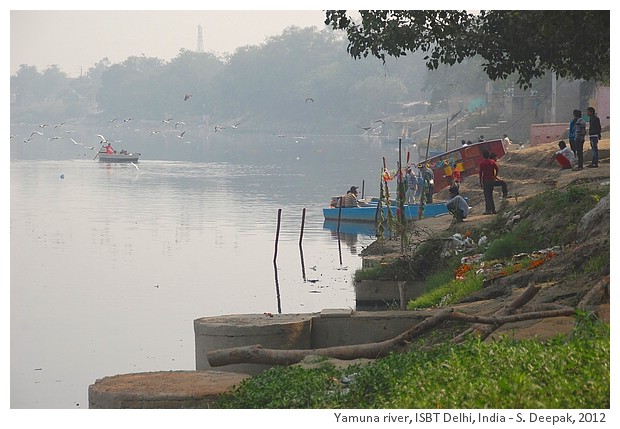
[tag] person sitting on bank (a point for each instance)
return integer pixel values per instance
(565, 156)
(458, 207)
(350, 199)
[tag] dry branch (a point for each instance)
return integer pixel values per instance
(601, 288)
(484, 331)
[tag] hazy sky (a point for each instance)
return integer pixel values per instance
(77, 39)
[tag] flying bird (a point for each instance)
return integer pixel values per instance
(35, 132)
(59, 125)
(54, 138)
(181, 135)
(128, 120)
(155, 132)
(74, 142)
(187, 97)
(43, 125)
(179, 122)
(219, 128)
(309, 99)
(166, 120)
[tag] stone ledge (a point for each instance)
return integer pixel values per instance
(163, 389)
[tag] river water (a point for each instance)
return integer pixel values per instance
(111, 264)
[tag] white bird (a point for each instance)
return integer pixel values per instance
(114, 120)
(236, 125)
(179, 122)
(103, 139)
(128, 120)
(309, 99)
(181, 135)
(27, 140)
(59, 125)
(166, 120)
(54, 138)
(35, 132)
(74, 142)
(155, 132)
(218, 128)
(43, 125)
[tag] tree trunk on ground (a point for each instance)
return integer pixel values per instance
(484, 326)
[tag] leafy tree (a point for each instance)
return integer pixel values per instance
(571, 43)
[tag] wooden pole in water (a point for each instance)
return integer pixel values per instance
(362, 189)
(303, 221)
(275, 253)
(339, 215)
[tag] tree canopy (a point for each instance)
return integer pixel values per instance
(527, 43)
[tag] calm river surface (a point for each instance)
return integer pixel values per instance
(111, 264)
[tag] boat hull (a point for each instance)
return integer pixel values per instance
(369, 214)
(118, 158)
(465, 159)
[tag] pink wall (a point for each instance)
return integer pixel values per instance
(546, 133)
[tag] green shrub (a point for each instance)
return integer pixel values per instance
(566, 372)
(448, 293)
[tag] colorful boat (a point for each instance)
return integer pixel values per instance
(118, 157)
(464, 159)
(371, 213)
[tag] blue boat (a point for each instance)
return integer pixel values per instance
(370, 213)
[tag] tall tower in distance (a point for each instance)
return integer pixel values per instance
(200, 45)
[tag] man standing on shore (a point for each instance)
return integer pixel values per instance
(595, 135)
(486, 174)
(577, 136)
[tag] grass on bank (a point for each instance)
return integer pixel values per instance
(566, 372)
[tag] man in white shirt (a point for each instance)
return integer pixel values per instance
(565, 156)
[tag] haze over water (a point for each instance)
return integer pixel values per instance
(110, 264)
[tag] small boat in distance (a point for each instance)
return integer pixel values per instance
(118, 157)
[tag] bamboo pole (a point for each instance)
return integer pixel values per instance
(275, 252)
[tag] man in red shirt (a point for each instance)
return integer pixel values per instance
(487, 174)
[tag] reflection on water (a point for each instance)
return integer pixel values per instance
(111, 264)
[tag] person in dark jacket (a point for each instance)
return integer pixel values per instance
(595, 135)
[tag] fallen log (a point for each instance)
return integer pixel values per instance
(484, 330)
(259, 355)
(601, 288)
